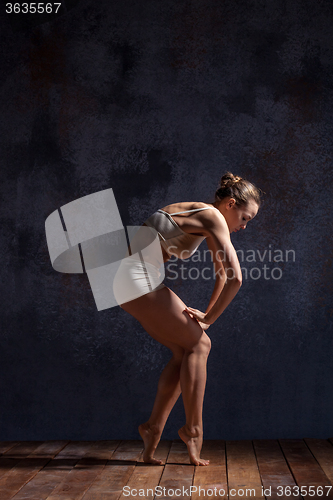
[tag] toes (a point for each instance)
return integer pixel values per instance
(202, 462)
(153, 461)
(156, 461)
(199, 461)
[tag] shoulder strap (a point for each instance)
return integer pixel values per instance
(193, 210)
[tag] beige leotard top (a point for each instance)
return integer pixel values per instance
(174, 240)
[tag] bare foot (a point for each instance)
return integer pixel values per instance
(151, 436)
(193, 442)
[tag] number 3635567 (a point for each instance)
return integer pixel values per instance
(32, 8)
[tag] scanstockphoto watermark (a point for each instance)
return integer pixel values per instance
(185, 492)
(219, 492)
(255, 264)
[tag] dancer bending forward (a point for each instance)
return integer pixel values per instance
(181, 228)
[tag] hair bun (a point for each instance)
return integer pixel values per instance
(229, 180)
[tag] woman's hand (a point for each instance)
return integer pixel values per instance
(204, 326)
(199, 316)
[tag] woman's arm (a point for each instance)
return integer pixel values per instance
(224, 255)
(220, 275)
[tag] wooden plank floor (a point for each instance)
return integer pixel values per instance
(114, 470)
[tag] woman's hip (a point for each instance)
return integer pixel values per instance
(136, 277)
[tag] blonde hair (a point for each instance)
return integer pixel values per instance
(238, 188)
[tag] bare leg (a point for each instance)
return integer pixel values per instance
(162, 314)
(193, 388)
(168, 391)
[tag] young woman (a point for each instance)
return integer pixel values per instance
(181, 228)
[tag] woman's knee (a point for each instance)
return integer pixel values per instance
(202, 346)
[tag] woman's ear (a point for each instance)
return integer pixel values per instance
(231, 203)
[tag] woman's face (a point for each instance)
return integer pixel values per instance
(237, 216)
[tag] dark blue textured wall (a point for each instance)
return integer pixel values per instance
(157, 100)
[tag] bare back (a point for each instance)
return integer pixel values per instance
(190, 222)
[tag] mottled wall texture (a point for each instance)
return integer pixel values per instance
(157, 99)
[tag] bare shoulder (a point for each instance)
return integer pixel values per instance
(214, 224)
(212, 217)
